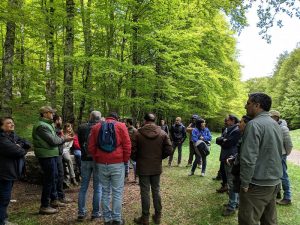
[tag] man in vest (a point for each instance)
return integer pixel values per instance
(46, 144)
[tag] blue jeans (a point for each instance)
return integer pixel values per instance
(285, 180)
(112, 181)
(50, 177)
(5, 195)
(126, 168)
(233, 196)
(77, 155)
(87, 169)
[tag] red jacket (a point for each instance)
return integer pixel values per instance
(76, 145)
(120, 154)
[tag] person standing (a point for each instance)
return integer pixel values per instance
(260, 163)
(189, 130)
(201, 138)
(12, 152)
(110, 150)
(287, 149)
(88, 170)
(228, 143)
(164, 126)
(178, 136)
(46, 142)
(150, 145)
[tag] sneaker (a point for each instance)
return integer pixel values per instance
(94, 218)
(47, 210)
(81, 218)
(284, 202)
(188, 165)
(57, 203)
(191, 173)
(228, 212)
(200, 166)
(202, 174)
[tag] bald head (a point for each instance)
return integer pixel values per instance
(95, 116)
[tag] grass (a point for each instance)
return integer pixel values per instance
(186, 200)
(295, 134)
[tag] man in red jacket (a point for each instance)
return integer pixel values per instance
(110, 167)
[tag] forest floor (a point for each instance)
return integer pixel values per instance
(186, 200)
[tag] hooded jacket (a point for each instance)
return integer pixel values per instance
(149, 146)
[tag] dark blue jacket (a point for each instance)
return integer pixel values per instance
(228, 142)
(178, 133)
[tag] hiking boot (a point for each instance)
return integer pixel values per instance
(141, 220)
(65, 200)
(118, 222)
(228, 212)
(191, 173)
(284, 202)
(57, 203)
(81, 218)
(222, 189)
(47, 210)
(156, 218)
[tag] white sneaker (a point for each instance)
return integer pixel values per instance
(202, 174)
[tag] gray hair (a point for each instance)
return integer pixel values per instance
(95, 116)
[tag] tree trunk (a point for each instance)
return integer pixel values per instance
(87, 68)
(68, 108)
(7, 62)
(50, 66)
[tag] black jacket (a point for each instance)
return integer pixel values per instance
(12, 152)
(83, 136)
(228, 142)
(178, 133)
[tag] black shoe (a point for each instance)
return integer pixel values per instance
(118, 222)
(217, 178)
(81, 218)
(94, 218)
(107, 223)
(228, 212)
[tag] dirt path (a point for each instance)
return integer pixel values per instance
(294, 157)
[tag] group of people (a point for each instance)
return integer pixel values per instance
(252, 161)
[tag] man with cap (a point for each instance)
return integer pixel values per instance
(46, 142)
(286, 150)
(189, 130)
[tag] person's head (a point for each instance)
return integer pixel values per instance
(68, 129)
(243, 122)
(7, 124)
(137, 125)
(194, 118)
(200, 123)
(57, 120)
(178, 120)
(95, 117)
(114, 115)
(162, 122)
(225, 122)
(129, 122)
(231, 120)
(149, 118)
(258, 102)
(275, 115)
(47, 112)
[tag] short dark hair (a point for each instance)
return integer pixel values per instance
(56, 117)
(199, 122)
(114, 115)
(264, 100)
(233, 118)
(129, 120)
(246, 118)
(5, 118)
(149, 117)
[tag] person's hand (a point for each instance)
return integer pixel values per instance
(201, 138)
(228, 162)
(69, 138)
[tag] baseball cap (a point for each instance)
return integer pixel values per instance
(274, 113)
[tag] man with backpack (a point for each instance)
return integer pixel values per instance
(178, 136)
(110, 146)
(88, 170)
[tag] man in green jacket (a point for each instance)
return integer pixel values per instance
(46, 144)
(260, 161)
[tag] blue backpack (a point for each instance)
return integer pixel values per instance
(107, 140)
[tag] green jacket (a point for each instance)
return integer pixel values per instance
(45, 140)
(260, 155)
